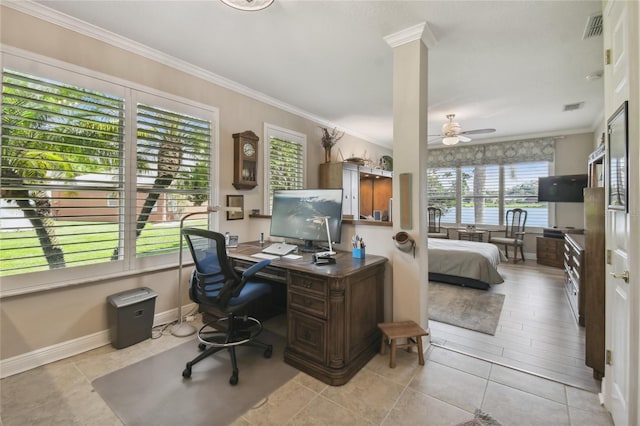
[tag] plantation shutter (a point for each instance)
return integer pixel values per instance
(286, 166)
(62, 175)
(442, 190)
(480, 195)
(173, 176)
(521, 190)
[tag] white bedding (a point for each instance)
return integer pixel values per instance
(465, 259)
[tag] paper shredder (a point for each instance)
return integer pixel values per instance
(130, 316)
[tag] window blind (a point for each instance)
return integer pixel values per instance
(286, 165)
(60, 165)
(173, 169)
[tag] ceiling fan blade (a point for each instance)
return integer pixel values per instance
(464, 138)
(477, 131)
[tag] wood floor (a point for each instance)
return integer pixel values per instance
(537, 332)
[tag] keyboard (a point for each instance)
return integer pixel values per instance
(264, 256)
(280, 249)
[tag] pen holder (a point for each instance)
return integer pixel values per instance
(358, 253)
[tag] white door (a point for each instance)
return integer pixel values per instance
(616, 384)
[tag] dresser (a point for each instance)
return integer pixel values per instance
(333, 311)
(574, 267)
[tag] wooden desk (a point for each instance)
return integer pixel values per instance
(333, 311)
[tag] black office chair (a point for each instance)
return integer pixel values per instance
(217, 286)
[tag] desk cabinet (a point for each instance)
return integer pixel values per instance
(333, 311)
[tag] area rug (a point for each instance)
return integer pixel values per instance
(480, 419)
(465, 307)
(153, 391)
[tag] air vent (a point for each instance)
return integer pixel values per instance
(573, 107)
(594, 27)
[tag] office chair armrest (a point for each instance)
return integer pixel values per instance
(255, 269)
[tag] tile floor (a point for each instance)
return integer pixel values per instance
(445, 391)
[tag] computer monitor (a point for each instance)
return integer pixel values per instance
(300, 214)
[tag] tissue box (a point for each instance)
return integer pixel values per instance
(358, 253)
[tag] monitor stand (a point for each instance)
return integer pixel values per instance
(308, 247)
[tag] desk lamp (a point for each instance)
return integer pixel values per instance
(320, 220)
(182, 329)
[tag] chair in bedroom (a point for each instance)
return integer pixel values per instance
(215, 285)
(515, 220)
(435, 230)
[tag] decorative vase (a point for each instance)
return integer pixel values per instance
(327, 154)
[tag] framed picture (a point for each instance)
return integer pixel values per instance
(618, 159)
(235, 201)
(233, 241)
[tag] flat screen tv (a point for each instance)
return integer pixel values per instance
(299, 214)
(562, 189)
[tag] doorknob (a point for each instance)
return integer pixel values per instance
(624, 275)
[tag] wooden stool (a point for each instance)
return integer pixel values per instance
(402, 330)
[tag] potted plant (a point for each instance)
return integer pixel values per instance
(329, 139)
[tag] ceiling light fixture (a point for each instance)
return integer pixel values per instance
(451, 140)
(249, 5)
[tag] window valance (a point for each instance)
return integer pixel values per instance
(541, 149)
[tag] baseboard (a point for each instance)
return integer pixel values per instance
(43, 356)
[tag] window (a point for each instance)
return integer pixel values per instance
(71, 161)
(285, 159)
(481, 194)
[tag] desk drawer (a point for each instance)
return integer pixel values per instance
(307, 335)
(308, 304)
(269, 273)
(304, 283)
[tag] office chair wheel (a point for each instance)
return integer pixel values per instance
(186, 373)
(233, 380)
(268, 352)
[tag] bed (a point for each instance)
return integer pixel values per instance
(465, 263)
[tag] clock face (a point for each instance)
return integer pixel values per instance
(248, 149)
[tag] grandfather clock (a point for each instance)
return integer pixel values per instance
(245, 160)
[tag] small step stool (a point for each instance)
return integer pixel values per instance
(391, 331)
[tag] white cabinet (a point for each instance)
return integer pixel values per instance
(365, 189)
(351, 187)
(345, 176)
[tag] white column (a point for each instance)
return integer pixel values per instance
(410, 78)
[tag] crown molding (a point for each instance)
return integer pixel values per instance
(47, 14)
(420, 31)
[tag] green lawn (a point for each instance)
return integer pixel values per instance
(83, 243)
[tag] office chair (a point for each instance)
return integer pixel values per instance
(435, 230)
(515, 220)
(216, 285)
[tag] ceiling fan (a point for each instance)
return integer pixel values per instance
(452, 132)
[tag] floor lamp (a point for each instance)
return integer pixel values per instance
(182, 329)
